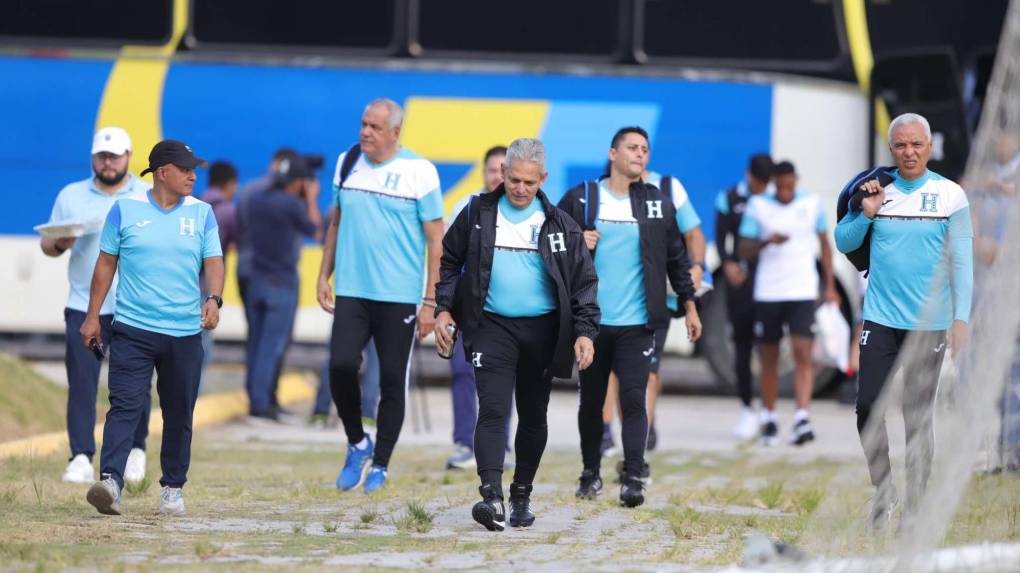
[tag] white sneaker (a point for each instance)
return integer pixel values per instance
(79, 470)
(171, 502)
(134, 471)
(748, 427)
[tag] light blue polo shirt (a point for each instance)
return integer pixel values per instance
(160, 256)
(520, 285)
(621, 293)
(83, 202)
(380, 249)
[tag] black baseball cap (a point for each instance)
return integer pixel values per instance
(761, 166)
(172, 151)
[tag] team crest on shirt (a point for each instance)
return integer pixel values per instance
(534, 234)
(929, 202)
(392, 180)
(187, 226)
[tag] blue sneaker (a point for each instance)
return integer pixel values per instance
(376, 478)
(355, 466)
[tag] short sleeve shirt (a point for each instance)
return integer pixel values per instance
(380, 251)
(83, 202)
(160, 254)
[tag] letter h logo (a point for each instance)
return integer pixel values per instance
(929, 202)
(654, 209)
(557, 242)
(187, 226)
(392, 180)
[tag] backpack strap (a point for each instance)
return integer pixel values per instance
(350, 158)
(591, 204)
(666, 186)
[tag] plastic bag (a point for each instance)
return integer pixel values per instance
(832, 337)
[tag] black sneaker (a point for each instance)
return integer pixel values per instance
(589, 485)
(520, 506)
(645, 474)
(882, 507)
(632, 491)
(653, 438)
(769, 433)
(802, 433)
(490, 512)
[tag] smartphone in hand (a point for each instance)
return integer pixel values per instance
(97, 350)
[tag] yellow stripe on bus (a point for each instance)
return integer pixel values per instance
(460, 130)
(133, 95)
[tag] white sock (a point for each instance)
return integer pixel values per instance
(768, 415)
(363, 444)
(801, 414)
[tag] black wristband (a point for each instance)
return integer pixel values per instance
(217, 299)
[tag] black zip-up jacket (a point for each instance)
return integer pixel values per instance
(662, 247)
(466, 268)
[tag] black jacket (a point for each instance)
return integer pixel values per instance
(466, 268)
(662, 247)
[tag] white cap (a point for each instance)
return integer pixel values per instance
(111, 140)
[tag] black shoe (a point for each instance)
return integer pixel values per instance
(802, 433)
(490, 512)
(632, 491)
(653, 438)
(520, 506)
(589, 485)
(645, 474)
(769, 433)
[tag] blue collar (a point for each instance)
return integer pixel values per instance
(910, 185)
(160, 209)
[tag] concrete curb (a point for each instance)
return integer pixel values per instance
(210, 410)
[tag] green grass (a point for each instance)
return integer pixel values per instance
(29, 403)
(252, 503)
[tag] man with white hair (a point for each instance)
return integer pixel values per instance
(516, 278)
(87, 202)
(919, 290)
(389, 208)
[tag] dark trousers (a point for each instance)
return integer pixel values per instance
(465, 400)
(83, 384)
(273, 309)
(393, 327)
(134, 353)
(740, 310)
(512, 355)
(880, 348)
(626, 350)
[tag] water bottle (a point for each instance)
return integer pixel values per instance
(452, 330)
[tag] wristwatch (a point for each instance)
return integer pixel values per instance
(218, 299)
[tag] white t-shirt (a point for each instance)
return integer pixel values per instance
(786, 272)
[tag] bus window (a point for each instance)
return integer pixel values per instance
(746, 34)
(70, 22)
(579, 27)
(295, 23)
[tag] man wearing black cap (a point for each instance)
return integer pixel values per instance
(157, 244)
(278, 221)
(739, 275)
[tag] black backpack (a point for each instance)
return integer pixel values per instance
(349, 160)
(850, 200)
